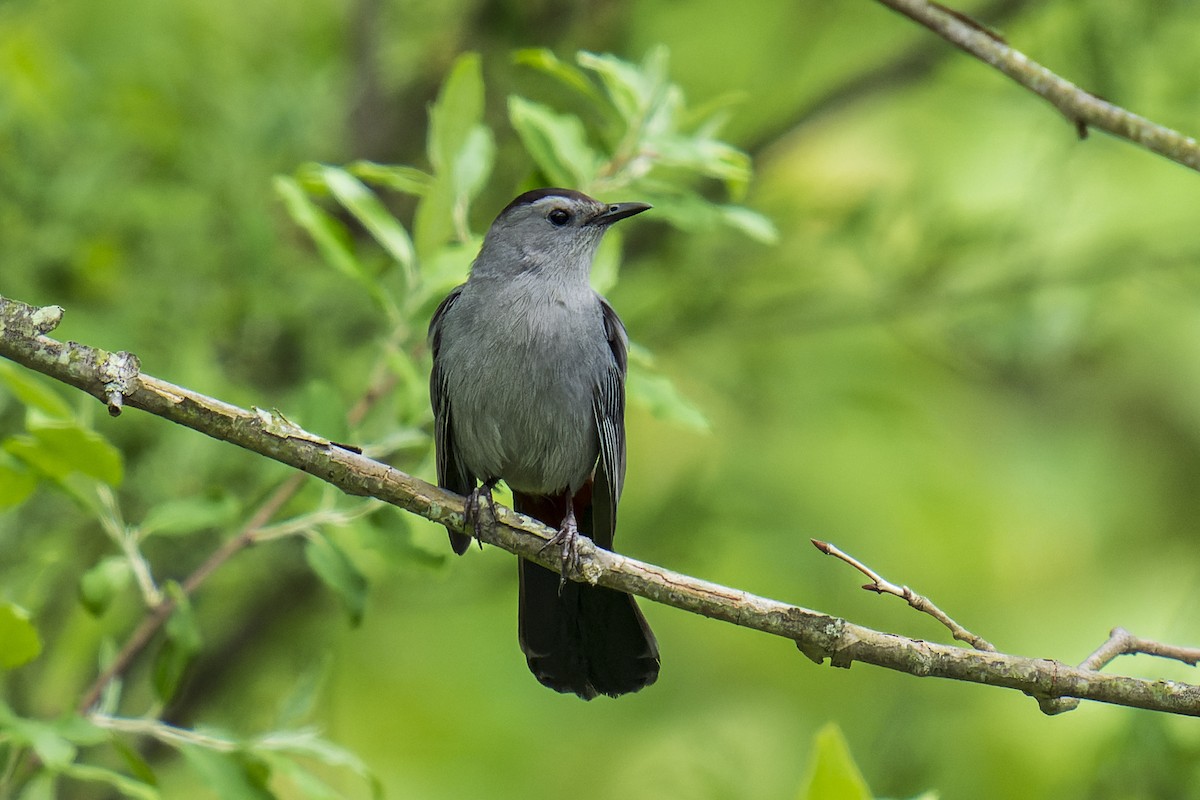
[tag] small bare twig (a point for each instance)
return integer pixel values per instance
(1121, 642)
(923, 604)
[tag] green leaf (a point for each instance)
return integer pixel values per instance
(455, 113)
(17, 481)
(472, 166)
(368, 210)
(627, 88)
(308, 784)
(328, 234)
(556, 142)
(183, 641)
(408, 180)
(125, 785)
(751, 223)
(140, 768)
(658, 393)
(832, 773)
(189, 514)
(707, 157)
(298, 705)
(19, 639)
(59, 449)
(53, 749)
(544, 61)
(34, 391)
(461, 151)
(40, 787)
(338, 572)
(100, 584)
(307, 743)
(228, 775)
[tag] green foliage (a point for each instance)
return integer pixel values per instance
(19, 639)
(404, 275)
(832, 773)
(972, 361)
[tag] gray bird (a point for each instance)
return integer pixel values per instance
(528, 387)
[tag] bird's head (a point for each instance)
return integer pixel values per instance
(549, 229)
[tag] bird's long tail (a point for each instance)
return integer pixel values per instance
(588, 640)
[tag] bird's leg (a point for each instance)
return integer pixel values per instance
(567, 537)
(474, 505)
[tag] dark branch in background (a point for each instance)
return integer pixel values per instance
(1083, 109)
(908, 67)
(819, 636)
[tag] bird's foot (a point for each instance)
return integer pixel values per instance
(568, 539)
(473, 508)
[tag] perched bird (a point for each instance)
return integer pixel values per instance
(528, 387)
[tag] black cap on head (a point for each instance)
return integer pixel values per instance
(534, 195)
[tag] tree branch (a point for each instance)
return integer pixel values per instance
(1082, 108)
(819, 636)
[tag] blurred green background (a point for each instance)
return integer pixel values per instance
(972, 360)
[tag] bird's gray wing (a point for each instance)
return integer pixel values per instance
(452, 474)
(608, 406)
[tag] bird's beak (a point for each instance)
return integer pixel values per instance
(617, 211)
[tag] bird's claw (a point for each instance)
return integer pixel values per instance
(567, 538)
(472, 510)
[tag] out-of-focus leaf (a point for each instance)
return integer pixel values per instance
(624, 83)
(408, 180)
(17, 481)
(751, 223)
(546, 62)
(456, 112)
(472, 165)
(189, 514)
(34, 391)
(461, 151)
(58, 449)
(19, 640)
(328, 234)
(100, 584)
(40, 787)
(338, 572)
(309, 785)
(367, 209)
(556, 142)
(297, 706)
(51, 747)
(122, 783)
(832, 773)
(183, 641)
(658, 393)
(138, 766)
(226, 773)
(307, 743)
(707, 157)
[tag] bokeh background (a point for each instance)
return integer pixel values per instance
(972, 360)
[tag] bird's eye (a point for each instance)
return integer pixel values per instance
(558, 217)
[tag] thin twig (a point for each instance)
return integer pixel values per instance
(157, 616)
(819, 636)
(1121, 642)
(923, 604)
(1082, 108)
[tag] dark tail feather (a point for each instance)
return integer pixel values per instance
(589, 640)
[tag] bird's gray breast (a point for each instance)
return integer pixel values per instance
(522, 361)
